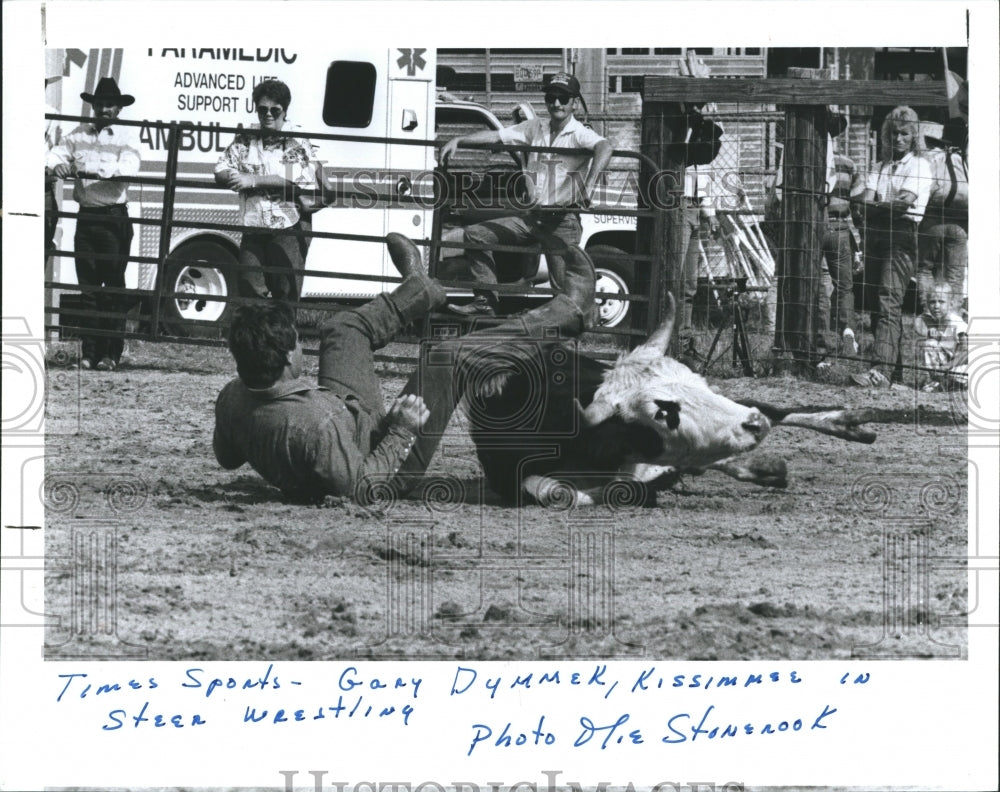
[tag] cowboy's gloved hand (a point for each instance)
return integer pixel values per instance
(409, 412)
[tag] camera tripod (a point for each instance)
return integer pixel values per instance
(733, 289)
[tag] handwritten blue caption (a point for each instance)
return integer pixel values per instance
(677, 728)
(79, 686)
(394, 699)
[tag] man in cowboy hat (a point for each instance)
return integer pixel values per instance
(558, 183)
(94, 154)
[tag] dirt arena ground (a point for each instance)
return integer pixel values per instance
(154, 551)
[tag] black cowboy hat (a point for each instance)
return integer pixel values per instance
(107, 91)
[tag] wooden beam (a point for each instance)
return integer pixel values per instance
(796, 92)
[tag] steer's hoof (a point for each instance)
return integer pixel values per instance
(770, 472)
(554, 494)
(852, 422)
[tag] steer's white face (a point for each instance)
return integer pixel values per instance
(696, 425)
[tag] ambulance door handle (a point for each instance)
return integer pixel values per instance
(409, 120)
(404, 185)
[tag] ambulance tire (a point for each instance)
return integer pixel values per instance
(615, 271)
(200, 268)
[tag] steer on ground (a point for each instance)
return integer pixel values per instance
(555, 426)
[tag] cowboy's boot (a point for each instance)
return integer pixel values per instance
(387, 314)
(418, 293)
(405, 256)
(570, 312)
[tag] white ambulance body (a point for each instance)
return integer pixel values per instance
(359, 92)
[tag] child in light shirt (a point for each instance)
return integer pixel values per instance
(941, 337)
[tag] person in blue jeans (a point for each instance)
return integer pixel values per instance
(334, 437)
(843, 183)
(98, 155)
(559, 184)
(895, 196)
(944, 231)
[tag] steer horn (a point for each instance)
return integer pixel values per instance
(661, 336)
(596, 413)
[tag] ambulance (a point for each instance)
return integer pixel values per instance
(384, 112)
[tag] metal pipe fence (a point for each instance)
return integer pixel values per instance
(153, 299)
(747, 270)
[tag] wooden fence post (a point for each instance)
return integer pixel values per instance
(803, 220)
(662, 235)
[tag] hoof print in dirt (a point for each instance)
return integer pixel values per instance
(409, 557)
(448, 611)
(767, 610)
(756, 540)
(499, 613)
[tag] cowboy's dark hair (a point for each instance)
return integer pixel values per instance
(275, 90)
(260, 338)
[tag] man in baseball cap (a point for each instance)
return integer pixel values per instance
(559, 184)
(564, 83)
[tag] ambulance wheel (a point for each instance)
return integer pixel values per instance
(197, 270)
(614, 278)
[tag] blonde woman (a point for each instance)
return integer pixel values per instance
(895, 196)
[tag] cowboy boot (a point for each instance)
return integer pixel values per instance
(570, 313)
(405, 256)
(415, 297)
(418, 293)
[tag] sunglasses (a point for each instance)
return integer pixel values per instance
(552, 98)
(274, 112)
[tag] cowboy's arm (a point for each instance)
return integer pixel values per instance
(344, 470)
(482, 136)
(602, 156)
(227, 453)
(59, 161)
(128, 160)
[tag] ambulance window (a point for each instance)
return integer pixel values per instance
(350, 94)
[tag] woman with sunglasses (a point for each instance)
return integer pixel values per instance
(269, 171)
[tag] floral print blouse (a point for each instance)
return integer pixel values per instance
(270, 155)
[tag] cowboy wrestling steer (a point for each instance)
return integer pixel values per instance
(647, 419)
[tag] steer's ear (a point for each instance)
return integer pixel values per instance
(669, 411)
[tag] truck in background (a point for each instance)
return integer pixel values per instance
(386, 96)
